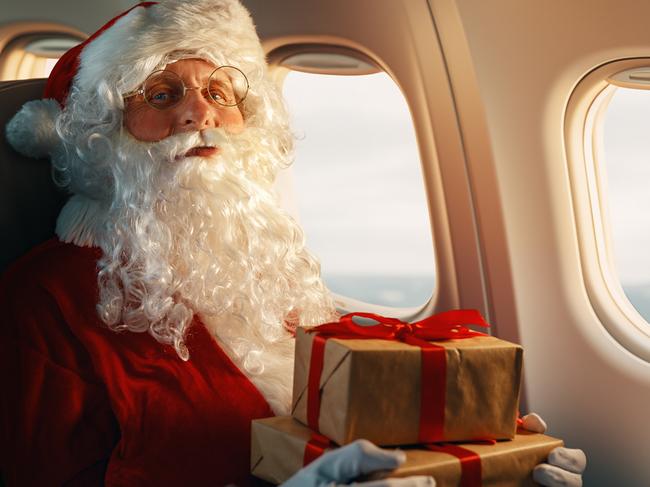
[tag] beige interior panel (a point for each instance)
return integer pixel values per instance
(529, 57)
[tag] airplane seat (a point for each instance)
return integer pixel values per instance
(29, 200)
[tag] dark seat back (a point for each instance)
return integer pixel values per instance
(29, 200)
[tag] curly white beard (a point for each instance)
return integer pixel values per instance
(192, 235)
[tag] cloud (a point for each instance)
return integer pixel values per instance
(626, 140)
(358, 181)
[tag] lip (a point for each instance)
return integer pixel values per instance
(202, 151)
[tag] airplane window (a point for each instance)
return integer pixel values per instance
(358, 188)
(625, 157)
(33, 56)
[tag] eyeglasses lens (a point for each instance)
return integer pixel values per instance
(163, 89)
(228, 86)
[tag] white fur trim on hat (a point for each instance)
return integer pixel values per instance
(32, 131)
(220, 31)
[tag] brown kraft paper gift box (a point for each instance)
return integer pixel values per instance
(278, 446)
(370, 389)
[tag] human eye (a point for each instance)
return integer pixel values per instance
(220, 94)
(161, 95)
(216, 95)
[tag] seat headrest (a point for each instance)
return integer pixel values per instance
(29, 200)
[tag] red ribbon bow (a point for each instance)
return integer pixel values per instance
(442, 326)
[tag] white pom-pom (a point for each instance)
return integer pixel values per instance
(32, 131)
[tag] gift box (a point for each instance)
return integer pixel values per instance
(406, 390)
(280, 446)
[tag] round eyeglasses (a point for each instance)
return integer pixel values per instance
(226, 86)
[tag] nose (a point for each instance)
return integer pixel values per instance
(196, 113)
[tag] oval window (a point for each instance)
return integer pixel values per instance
(358, 189)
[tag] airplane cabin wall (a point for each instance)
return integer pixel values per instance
(527, 57)
(71, 13)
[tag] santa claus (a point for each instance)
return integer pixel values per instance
(140, 343)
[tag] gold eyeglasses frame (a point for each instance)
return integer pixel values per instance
(242, 79)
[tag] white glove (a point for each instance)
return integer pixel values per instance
(565, 465)
(343, 465)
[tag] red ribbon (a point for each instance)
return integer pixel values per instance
(443, 326)
(315, 447)
(313, 384)
(470, 463)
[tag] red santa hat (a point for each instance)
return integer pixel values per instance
(125, 50)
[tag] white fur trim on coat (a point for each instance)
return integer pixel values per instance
(80, 221)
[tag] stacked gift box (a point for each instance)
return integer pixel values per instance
(418, 386)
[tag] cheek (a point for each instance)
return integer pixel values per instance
(233, 121)
(147, 126)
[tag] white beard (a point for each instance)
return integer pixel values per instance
(206, 236)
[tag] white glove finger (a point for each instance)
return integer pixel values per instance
(415, 481)
(552, 476)
(571, 459)
(533, 422)
(358, 458)
(374, 458)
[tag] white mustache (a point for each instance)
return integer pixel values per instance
(176, 146)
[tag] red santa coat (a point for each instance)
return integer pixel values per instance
(83, 405)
